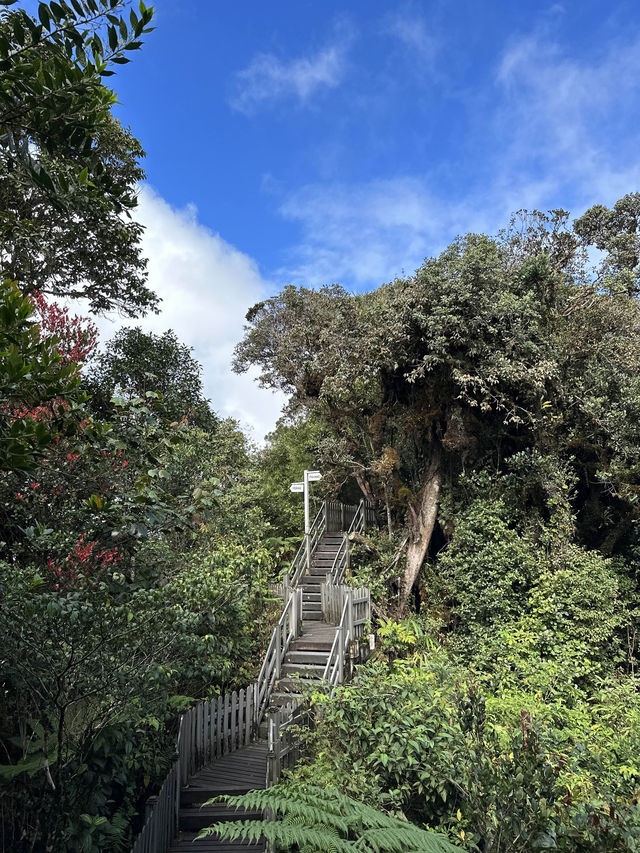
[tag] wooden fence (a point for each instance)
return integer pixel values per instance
(214, 728)
(284, 739)
(161, 825)
(353, 616)
(358, 603)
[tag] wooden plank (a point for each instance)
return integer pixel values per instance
(219, 713)
(225, 725)
(243, 697)
(248, 720)
(233, 722)
(212, 730)
(198, 756)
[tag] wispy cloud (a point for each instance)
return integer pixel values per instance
(268, 79)
(411, 29)
(573, 121)
(367, 233)
(548, 131)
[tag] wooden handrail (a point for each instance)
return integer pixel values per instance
(214, 727)
(299, 565)
(341, 560)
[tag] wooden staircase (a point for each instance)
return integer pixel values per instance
(305, 661)
(245, 769)
(236, 773)
(242, 741)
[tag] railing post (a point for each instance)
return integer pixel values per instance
(350, 613)
(307, 537)
(278, 650)
(294, 614)
(339, 630)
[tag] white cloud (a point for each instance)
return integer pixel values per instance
(267, 78)
(206, 286)
(572, 121)
(365, 233)
(412, 30)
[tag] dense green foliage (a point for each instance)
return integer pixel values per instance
(489, 406)
(507, 713)
(135, 362)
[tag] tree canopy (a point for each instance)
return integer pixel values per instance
(68, 170)
(488, 350)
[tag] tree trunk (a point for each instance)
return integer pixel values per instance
(420, 530)
(365, 488)
(387, 504)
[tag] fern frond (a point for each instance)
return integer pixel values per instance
(280, 833)
(324, 820)
(400, 838)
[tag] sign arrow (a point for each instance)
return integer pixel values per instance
(314, 476)
(296, 487)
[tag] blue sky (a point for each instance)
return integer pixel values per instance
(318, 142)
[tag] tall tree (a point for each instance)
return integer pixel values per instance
(136, 362)
(483, 352)
(68, 170)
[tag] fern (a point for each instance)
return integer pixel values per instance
(323, 820)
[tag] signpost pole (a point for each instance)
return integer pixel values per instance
(306, 519)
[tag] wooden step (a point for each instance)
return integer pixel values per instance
(312, 605)
(187, 841)
(304, 670)
(306, 656)
(296, 685)
(311, 645)
(312, 615)
(195, 818)
(196, 797)
(311, 596)
(279, 698)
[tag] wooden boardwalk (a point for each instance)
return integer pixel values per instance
(235, 773)
(216, 751)
(245, 769)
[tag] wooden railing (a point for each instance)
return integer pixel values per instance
(213, 728)
(308, 545)
(341, 560)
(286, 630)
(354, 607)
(284, 724)
(161, 825)
(209, 730)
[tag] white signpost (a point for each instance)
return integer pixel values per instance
(309, 477)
